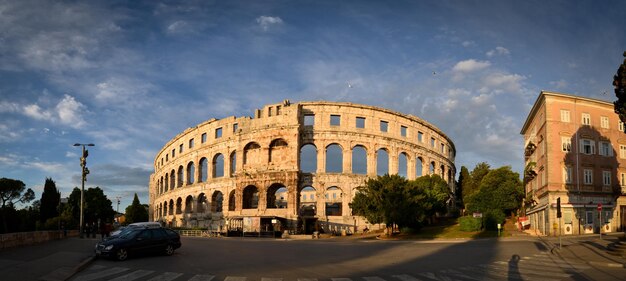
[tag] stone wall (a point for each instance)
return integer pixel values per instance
(19, 239)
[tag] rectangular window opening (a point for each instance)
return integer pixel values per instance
(384, 126)
(403, 130)
(335, 120)
(360, 122)
(218, 133)
(309, 120)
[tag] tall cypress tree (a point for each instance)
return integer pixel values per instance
(50, 199)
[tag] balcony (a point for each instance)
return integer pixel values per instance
(530, 149)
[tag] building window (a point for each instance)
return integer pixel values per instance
(620, 125)
(235, 127)
(432, 142)
(384, 125)
(565, 115)
(604, 122)
(606, 178)
(180, 148)
(605, 149)
(309, 120)
(589, 217)
(420, 136)
(403, 131)
(567, 174)
(335, 120)
(278, 110)
(622, 151)
(623, 179)
(587, 146)
(191, 143)
(167, 157)
(443, 148)
(360, 122)
(218, 133)
(269, 111)
(586, 119)
(566, 144)
(203, 138)
(173, 153)
(588, 176)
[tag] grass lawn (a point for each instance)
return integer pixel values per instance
(449, 229)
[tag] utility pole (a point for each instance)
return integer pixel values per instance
(85, 171)
(118, 203)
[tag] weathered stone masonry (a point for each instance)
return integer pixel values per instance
(292, 166)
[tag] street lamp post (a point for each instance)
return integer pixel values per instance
(84, 172)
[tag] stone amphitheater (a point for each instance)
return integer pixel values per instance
(291, 167)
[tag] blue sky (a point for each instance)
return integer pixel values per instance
(130, 75)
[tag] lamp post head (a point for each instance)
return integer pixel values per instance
(77, 144)
(91, 144)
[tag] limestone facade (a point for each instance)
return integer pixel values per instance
(575, 150)
(290, 167)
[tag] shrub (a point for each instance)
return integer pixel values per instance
(468, 223)
(492, 218)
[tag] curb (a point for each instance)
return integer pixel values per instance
(80, 267)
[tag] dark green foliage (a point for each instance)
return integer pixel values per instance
(50, 199)
(501, 189)
(464, 184)
(619, 82)
(492, 218)
(136, 212)
(11, 192)
(394, 200)
(97, 206)
(468, 223)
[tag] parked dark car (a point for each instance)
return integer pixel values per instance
(139, 241)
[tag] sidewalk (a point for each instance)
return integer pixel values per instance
(589, 248)
(53, 260)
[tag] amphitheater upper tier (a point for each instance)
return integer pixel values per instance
(291, 167)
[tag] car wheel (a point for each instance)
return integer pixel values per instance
(169, 250)
(121, 254)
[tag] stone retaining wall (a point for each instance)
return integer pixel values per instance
(18, 239)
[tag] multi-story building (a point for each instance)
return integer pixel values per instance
(575, 152)
(291, 166)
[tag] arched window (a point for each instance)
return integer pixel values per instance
(276, 197)
(308, 201)
(359, 160)
(171, 207)
(191, 171)
(308, 158)
(165, 208)
(443, 172)
(418, 167)
(203, 169)
(432, 168)
(333, 201)
(233, 163)
(173, 180)
(382, 162)
(201, 204)
(334, 159)
(179, 205)
(218, 165)
(161, 186)
(231, 201)
(252, 154)
(216, 202)
(250, 197)
(279, 151)
(188, 204)
(180, 177)
(402, 165)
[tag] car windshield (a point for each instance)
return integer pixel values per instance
(129, 233)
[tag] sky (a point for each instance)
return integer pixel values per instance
(130, 75)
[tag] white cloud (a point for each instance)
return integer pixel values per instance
(67, 112)
(498, 51)
(560, 84)
(266, 22)
(178, 27)
(470, 65)
(468, 43)
(507, 82)
(35, 112)
(49, 167)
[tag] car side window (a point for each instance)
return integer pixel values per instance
(146, 234)
(158, 233)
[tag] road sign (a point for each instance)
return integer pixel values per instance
(599, 206)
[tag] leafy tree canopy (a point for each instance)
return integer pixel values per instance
(136, 212)
(501, 189)
(50, 199)
(11, 192)
(97, 205)
(619, 82)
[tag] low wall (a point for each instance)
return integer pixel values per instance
(18, 239)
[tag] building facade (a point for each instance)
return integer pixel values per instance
(290, 167)
(575, 152)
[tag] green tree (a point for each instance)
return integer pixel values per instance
(464, 184)
(97, 206)
(11, 192)
(136, 212)
(501, 189)
(50, 199)
(433, 192)
(619, 82)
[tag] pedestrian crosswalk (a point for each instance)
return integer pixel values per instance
(542, 267)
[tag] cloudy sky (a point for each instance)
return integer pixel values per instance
(130, 75)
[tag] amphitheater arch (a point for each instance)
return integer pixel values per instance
(201, 203)
(204, 166)
(218, 165)
(382, 162)
(232, 203)
(188, 204)
(191, 171)
(217, 201)
(443, 172)
(308, 158)
(179, 205)
(334, 204)
(233, 163)
(173, 179)
(278, 151)
(334, 158)
(179, 176)
(432, 168)
(250, 197)
(359, 160)
(165, 208)
(403, 163)
(308, 201)
(251, 154)
(171, 207)
(419, 166)
(276, 196)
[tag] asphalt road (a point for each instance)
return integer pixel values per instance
(239, 259)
